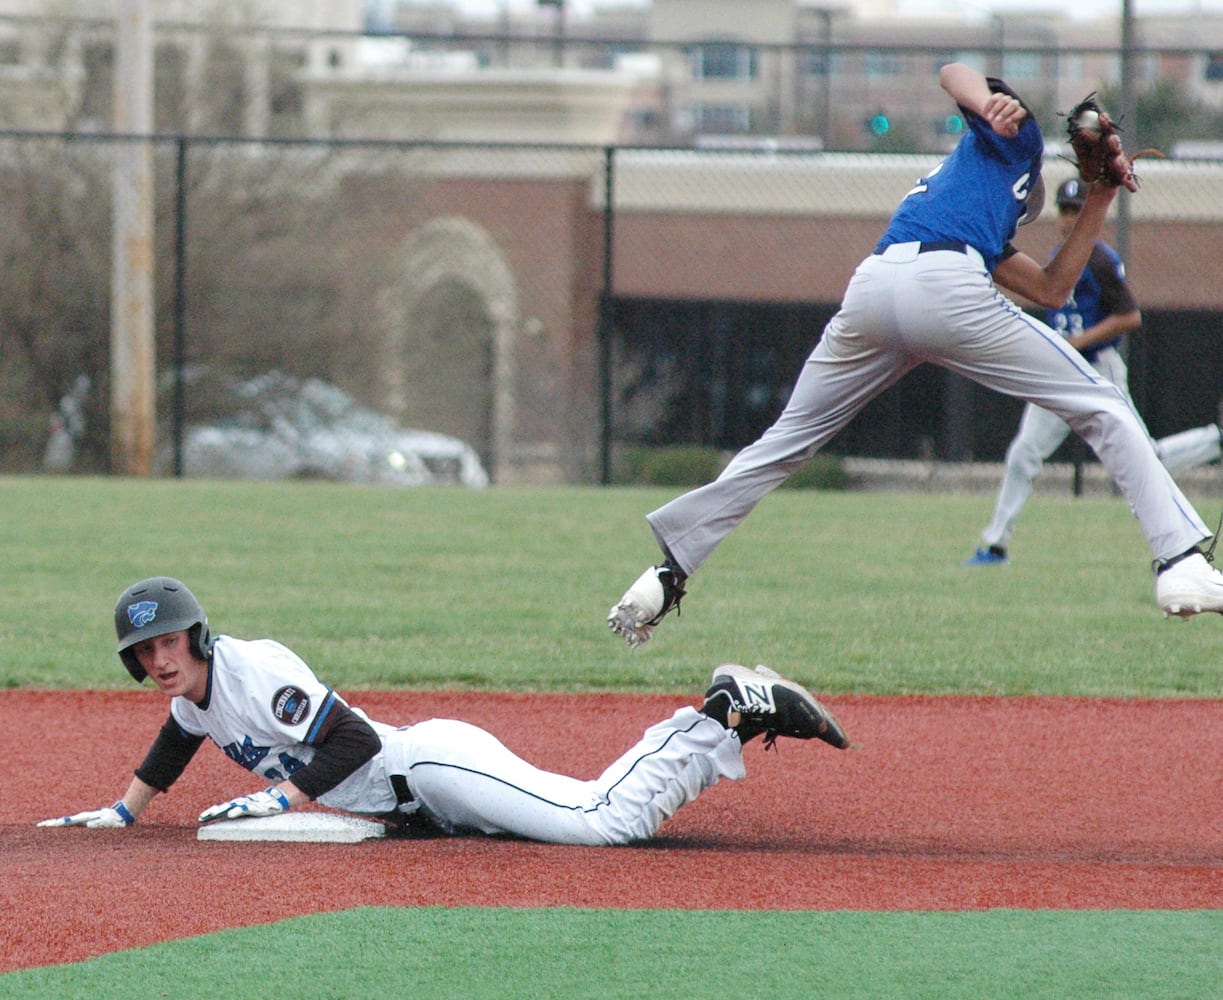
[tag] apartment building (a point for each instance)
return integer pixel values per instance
(851, 76)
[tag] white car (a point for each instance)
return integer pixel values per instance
(287, 428)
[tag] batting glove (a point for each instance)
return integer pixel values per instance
(266, 803)
(96, 819)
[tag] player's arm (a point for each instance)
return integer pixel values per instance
(1050, 285)
(138, 795)
(1119, 310)
(343, 742)
(122, 813)
(1109, 328)
(971, 90)
(165, 760)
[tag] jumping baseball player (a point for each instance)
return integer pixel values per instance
(267, 712)
(1094, 322)
(930, 293)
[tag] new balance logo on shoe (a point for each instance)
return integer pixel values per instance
(757, 697)
(761, 701)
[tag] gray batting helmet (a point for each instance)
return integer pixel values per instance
(155, 607)
(1070, 194)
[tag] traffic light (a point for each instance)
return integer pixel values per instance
(952, 125)
(878, 124)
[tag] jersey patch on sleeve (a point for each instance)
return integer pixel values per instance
(290, 705)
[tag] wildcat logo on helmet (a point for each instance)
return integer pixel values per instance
(141, 613)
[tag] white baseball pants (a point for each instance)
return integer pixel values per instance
(902, 308)
(465, 779)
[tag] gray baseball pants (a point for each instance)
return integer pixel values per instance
(1041, 433)
(904, 307)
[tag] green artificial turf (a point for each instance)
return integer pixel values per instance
(568, 953)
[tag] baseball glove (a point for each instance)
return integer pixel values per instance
(1097, 146)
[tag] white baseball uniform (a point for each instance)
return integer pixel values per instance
(264, 705)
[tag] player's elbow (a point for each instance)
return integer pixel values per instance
(1050, 297)
(1053, 287)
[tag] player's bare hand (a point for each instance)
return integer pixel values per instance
(265, 803)
(112, 817)
(1004, 114)
(1123, 166)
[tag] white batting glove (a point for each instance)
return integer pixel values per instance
(96, 819)
(266, 803)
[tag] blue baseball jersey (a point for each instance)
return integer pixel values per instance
(977, 194)
(1101, 291)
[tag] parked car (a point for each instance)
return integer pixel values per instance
(279, 427)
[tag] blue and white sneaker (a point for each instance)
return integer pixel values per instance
(995, 555)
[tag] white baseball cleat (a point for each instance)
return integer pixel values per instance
(1189, 586)
(654, 593)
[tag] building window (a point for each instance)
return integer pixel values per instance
(882, 62)
(973, 58)
(1214, 67)
(818, 62)
(720, 119)
(723, 61)
(1022, 66)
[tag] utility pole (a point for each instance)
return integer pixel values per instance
(1127, 114)
(133, 406)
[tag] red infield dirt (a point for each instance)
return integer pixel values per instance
(944, 804)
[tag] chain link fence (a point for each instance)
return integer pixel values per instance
(547, 305)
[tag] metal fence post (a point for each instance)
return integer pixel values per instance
(180, 297)
(605, 318)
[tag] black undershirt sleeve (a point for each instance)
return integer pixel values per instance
(169, 756)
(345, 742)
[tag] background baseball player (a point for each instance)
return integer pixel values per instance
(1094, 322)
(928, 294)
(265, 708)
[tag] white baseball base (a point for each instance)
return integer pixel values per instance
(307, 827)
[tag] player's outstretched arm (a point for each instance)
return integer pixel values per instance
(271, 801)
(1050, 285)
(122, 813)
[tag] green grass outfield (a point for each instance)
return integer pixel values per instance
(507, 589)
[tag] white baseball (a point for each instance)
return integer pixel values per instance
(1089, 122)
